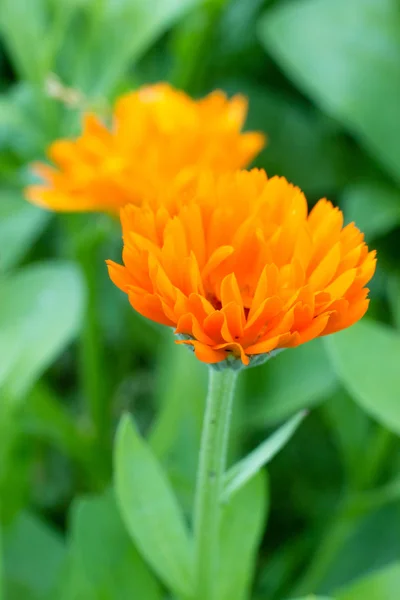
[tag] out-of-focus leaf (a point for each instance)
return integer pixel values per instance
(394, 298)
(346, 56)
(46, 416)
(180, 373)
(303, 145)
(24, 24)
(312, 597)
(293, 380)
(34, 558)
(150, 510)
(41, 310)
(351, 429)
(110, 562)
(371, 543)
(20, 226)
(121, 31)
(245, 469)
(243, 524)
(381, 585)
(175, 436)
(373, 206)
(366, 359)
(24, 121)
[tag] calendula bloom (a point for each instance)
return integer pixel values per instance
(237, 265)
(157, 133)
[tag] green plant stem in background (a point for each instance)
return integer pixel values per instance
(86, 239)
(193, 41)
(211, 469)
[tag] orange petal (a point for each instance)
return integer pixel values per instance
(203, 352)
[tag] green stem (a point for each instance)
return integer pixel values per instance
(212, 463)
(194, 38)
(92, 371)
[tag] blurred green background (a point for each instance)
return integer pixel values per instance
(323, 81)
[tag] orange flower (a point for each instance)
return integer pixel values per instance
(157, 134)
(237, 265)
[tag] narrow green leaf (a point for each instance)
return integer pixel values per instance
(150, 510)
(346, 56)
(34, 557)
(20, 226)
(245, 469)
(243, 524)
(294, 380)
(360, 202)
(110, 562)
(366, 359)
(312, 597)
(41, 311)
(381, 585)
(24, 23)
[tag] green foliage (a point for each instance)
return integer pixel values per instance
(360, 200)
(245, 469)
(34, 557)
(20, 226)
(243, 524)
(107, 559)
(382, 584)
(150, 510)
(366, 359)
(341, 53)
(311, 381)
(41, 305)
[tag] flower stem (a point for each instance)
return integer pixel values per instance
(212, 463)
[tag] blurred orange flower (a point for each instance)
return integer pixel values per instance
(157, 133)
(237, 265)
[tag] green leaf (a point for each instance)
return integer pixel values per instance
(381, 585)
(20, 226)
(305, 146)
(47, 417)
(366, 359)
(110, 563)
(360, 201)
(41, 311)
(350, 428)
(312, 597)
(34, 558)
(293, 380)
(121, 33)
(245, 469)
(21, 23)
(243, 524)
(394, 298)
(346, 56)
(370, 543)
(150, 510)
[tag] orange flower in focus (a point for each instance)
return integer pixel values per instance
(239, 268)
(157, 134)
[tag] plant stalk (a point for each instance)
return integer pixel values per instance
(211, 470)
